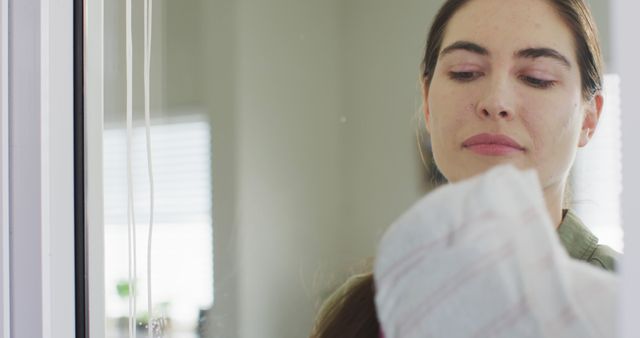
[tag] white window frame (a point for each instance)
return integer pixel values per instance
(37, 169)
(94, 126)
(626, 54)
(5, 307)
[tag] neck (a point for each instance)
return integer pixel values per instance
(554, 196)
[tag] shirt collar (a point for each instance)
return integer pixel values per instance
(579, 241)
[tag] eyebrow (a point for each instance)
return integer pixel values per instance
(543, 52)
(465, 45)
(531, 53)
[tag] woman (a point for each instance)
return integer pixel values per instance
(519, 83)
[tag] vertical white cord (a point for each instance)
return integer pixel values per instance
(148, 24)
(130, 213)
(148, 29)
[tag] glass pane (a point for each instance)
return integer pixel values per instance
(284, 144)
(182, 243)
(182, 236)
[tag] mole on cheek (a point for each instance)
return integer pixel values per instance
(470, 108)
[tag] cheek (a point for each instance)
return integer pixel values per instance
(553, 128)
(450, 109)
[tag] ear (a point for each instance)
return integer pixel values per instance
(593, 108)
(425, 103)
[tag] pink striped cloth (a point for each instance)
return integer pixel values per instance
(480, 258)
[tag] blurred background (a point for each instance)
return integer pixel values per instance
(284, 142)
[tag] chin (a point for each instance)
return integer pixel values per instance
(474, 169)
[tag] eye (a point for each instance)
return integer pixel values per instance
(464, 76)
(537, 83)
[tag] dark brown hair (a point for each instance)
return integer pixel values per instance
(354, 314)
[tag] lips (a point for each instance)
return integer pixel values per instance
(492, 144)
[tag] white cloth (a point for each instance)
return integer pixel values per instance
(480, 258)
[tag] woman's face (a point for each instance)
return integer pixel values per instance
(507, 89)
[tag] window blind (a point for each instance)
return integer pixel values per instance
(597, 172)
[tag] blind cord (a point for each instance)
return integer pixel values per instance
(148, 29)
(130, 212)
(148, 25)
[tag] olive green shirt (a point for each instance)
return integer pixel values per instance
(580, 242)
(583, 245)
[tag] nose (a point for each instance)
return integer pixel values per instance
(497, 101)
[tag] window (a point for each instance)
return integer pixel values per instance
(597, 172)
(182, 234)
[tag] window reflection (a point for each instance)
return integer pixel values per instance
(182, 262)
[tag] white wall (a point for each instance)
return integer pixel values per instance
(382, 51)
(601, 10)
(289, 97)
(327, 154)
(219, 78)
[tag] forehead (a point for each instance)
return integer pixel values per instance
(505, 26)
